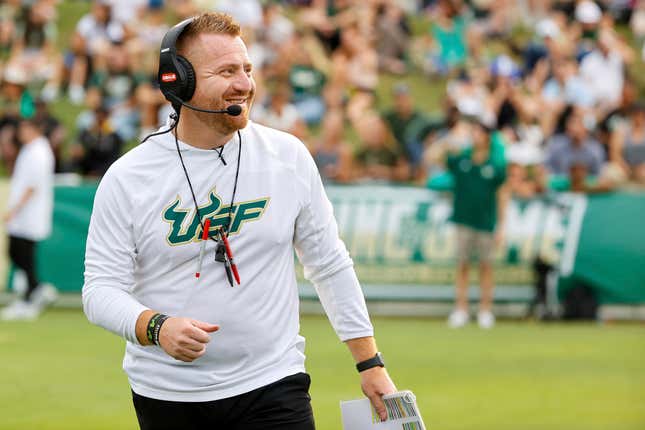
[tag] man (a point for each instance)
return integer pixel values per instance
(409, 126)
(99, 145)
(607, 59)
(378, 159)
(146, 281)
(478, 172)
(574, 146)
(29, 217)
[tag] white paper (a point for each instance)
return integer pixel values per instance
(402, 410)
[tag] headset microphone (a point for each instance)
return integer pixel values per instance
(232, 110)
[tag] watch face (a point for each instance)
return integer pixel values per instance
(379, 358)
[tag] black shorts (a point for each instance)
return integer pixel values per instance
(282, 405)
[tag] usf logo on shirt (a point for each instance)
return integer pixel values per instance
(184, 224)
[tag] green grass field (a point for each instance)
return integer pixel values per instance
(63, 373)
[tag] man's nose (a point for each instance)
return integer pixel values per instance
(243, 82)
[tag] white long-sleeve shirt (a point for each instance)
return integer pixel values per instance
(34, 169)
(143, 247)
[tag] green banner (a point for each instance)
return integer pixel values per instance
(611, 251)
(402, 236)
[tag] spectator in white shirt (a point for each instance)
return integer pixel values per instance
(29, 217)
(603, 70)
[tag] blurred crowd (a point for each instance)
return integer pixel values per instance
(550, 80)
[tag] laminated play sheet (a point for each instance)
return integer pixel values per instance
(402, 413)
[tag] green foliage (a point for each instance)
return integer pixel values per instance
(62, 373)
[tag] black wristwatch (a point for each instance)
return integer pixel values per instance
(377, 360)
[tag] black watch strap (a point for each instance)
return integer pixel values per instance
(377, 360)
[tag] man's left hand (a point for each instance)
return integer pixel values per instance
(376, 382)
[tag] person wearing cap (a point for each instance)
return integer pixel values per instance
(587, 15)
(549, 40)
(478, 171)
(16, 102)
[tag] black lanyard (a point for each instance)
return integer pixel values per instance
(190, 185)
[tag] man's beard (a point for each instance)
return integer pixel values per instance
(224, 123)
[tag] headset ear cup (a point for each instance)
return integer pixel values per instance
(188, 88)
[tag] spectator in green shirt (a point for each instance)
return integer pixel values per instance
(409, 126)
(449, 29)
(478, 172)
(307, 82)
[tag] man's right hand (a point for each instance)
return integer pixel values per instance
(185, 339)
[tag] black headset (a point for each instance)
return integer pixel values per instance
(176, 74)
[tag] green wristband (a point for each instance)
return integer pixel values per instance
(157, 328)
(154, 325)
